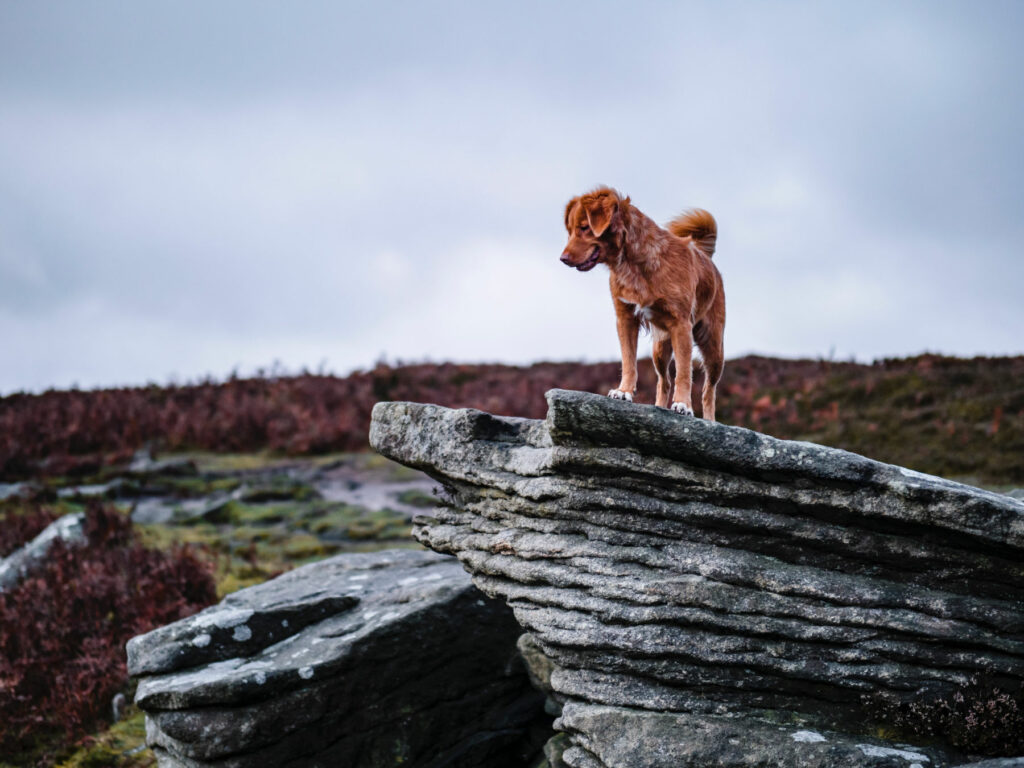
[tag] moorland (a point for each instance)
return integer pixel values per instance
(190, 492)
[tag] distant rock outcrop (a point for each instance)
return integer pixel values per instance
(69, 529)
(391, 658)
(708, 595)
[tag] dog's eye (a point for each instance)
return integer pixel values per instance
(584, 228)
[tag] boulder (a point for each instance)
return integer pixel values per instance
(70, 529)
(709, 595)
(358, 660)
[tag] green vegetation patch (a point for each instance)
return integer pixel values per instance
(340, 521)
(239, 513)
(303, 546)
(383, 468)
(123, 745)
(417, 498)
(248, 543)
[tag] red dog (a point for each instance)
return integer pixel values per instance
(661, 279)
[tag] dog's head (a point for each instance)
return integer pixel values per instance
(594, 223)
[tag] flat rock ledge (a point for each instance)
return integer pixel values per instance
(389, 658)
(709, 595)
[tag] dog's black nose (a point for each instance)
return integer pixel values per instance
(566, 258)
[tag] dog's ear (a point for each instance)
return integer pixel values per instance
(600, 211)
(568, 211)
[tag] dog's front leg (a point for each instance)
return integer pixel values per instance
(628, 326)
(682, 348)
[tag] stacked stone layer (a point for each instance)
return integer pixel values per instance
(669, 564)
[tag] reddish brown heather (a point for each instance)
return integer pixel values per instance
(21, 526)
(63, 630)
(935, 414)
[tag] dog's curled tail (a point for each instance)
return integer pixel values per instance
(698, 224)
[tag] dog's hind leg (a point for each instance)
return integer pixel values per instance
(709, 341)
(662, 355)
(682, 348)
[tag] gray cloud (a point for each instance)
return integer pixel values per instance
(188, 188)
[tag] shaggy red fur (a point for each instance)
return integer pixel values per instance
(661, 279)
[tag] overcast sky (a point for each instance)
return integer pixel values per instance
(191, 188)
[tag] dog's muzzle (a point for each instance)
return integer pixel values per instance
(588, 264)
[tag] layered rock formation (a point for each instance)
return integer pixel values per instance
(359, 660)
(708, 595)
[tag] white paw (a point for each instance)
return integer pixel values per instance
(618, 394)
(682, 408)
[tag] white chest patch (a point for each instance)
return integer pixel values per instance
(644, 313)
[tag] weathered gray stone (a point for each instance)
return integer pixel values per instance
(144, 464)
(720, 577)
(109, 490)
(24, 490)
(162, 510)
(70, 529)
(359, 660)
(622, 737)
